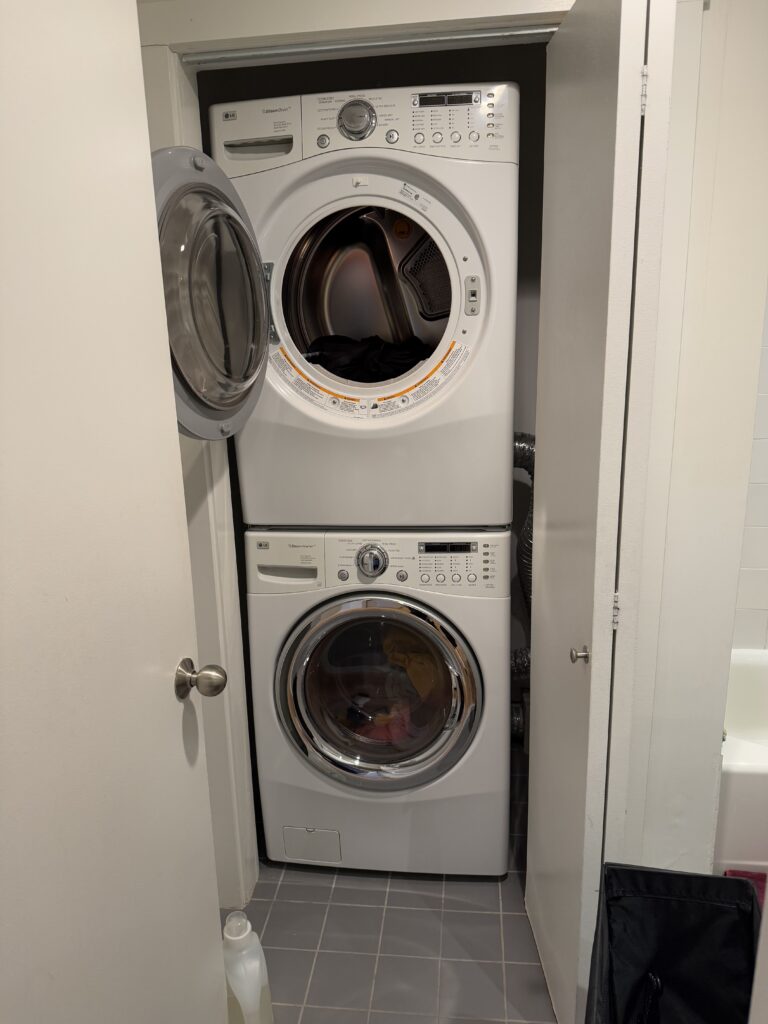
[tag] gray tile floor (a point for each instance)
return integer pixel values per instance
(349, 947)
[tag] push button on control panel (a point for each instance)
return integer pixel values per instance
(323, 141)
(472, 578)
(418, 138)
(425, 578)
(472, 295)
(456, 578)
(392, 136)
(440, 577)
(437, 136)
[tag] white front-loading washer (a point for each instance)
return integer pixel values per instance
(380, 679)
(355, 253)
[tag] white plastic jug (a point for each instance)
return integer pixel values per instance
(249, 1000)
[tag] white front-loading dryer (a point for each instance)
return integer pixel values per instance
(387, 223)
(380, 680)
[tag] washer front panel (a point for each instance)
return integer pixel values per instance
(378, 692)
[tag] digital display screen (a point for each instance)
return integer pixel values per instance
(459, 98)
(445, 99)
(456, 548)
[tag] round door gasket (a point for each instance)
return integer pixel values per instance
(427, 765)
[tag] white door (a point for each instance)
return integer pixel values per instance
(108, 889)
(591, 160)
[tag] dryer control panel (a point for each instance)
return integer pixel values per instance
(468, 564)
(464, 122)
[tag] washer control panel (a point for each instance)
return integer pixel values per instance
(468, 564)
(460, 563)
(470, 122)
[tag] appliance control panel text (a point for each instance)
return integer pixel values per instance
(459, 563)
(476, 564)
(468, 122)
(473, 122)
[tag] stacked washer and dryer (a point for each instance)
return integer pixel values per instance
(340, 283)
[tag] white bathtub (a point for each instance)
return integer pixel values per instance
(742, 827)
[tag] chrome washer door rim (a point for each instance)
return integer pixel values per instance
(461, 722)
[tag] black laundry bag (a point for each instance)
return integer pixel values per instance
(672, 948)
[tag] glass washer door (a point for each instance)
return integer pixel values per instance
(216, 295)
(378, 692)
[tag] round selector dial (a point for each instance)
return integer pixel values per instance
(372, 560)
(356, 120)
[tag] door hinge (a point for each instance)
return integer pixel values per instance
(643, 89)
(616, 609)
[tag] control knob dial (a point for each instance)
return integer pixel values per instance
(356, 120)
(372, 560)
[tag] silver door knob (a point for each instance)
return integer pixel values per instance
(582, 655)
(210, 680)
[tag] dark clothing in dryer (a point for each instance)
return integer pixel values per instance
(369, 360)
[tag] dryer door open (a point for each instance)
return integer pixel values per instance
(215, 294)
(378, 692)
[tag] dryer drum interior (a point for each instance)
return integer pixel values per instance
(366, 294)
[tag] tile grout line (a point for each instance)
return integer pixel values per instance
(317, 950)
(426, 1016)
(440, 951)
(378, 949)
(503, 951)
(271, 904)
(378, 906)
(406, 956)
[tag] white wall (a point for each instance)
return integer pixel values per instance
(189, 25)
(751, 626)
